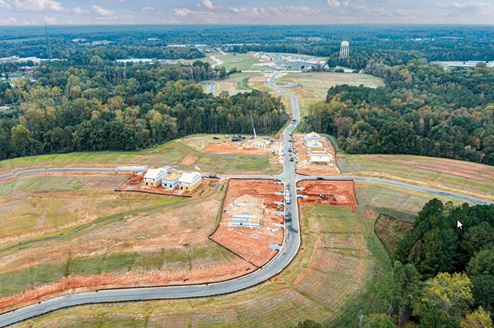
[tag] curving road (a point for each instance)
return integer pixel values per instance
(275, 266)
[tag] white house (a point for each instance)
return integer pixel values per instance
(247, 212)
(153, 176)
(189, 180)
(312, 137)
(320, 159)
(170, 180)
(260, 143)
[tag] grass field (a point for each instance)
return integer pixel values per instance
(240, 61)
(34, 206)
(339, 271)
(152, 247)
(171, 153)
(473, 179)
(314, 86)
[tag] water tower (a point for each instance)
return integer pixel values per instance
(345, 50)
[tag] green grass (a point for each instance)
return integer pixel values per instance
(314, 86)
(442, 174)
(170, 153)
(284, 303)
(17, 281)
(240, 61)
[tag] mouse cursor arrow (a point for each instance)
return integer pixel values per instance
(459, 225)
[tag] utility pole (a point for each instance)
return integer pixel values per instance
(253, 127)
(48, 43)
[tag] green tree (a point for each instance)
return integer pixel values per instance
(21, 140)
(477, 319)
(377, 321)
(451, 295)
(482, 263)
(405, 285)
(483, 291)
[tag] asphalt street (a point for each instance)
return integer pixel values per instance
(275, 266)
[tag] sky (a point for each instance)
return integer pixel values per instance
(246, 12)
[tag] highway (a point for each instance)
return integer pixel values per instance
(275, 266)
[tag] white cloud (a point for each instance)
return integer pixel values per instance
(50, 20)
(182, 11)
(78, 11)
(148, 8)
(38, 5)
(102, 11)
(334, 3)
(209, 5)
(9, 21)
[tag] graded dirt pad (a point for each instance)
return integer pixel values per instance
(257, 79)
(252, 244)
(237, 148)
(303, 165)
(135, 183)
(334, 193)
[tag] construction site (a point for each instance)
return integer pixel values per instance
(255, 245)
(306, 165)
(332, 193)
(136, 183)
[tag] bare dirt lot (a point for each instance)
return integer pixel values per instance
(335, 193)
(257, 79)
(136, 184)
(304, 166)
(252, 244)
(238, 148)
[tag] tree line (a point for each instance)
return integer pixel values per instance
(100, 107)
(423, 110)
(443, 276)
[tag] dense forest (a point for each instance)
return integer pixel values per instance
(101, 107)
(423, 109)
(444, 276)
(394, 45)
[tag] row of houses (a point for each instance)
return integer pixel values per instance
(171, 179)
(316, 151)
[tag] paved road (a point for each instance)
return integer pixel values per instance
(275, 266)
(401, 185)
(288, 252)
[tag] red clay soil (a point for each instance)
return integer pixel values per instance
(304, 167)
(135, 183)
(257, 79)
(252, 244)
(236, 148)
(334, 193)
(72, 284)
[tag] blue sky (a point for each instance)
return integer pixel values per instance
(290, 12)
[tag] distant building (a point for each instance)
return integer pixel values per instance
(189, 181)
(247, 212)
(260, 143)
(320, 159)
(170, 180)
(312, 137)
(345, 50)
(153, 176)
